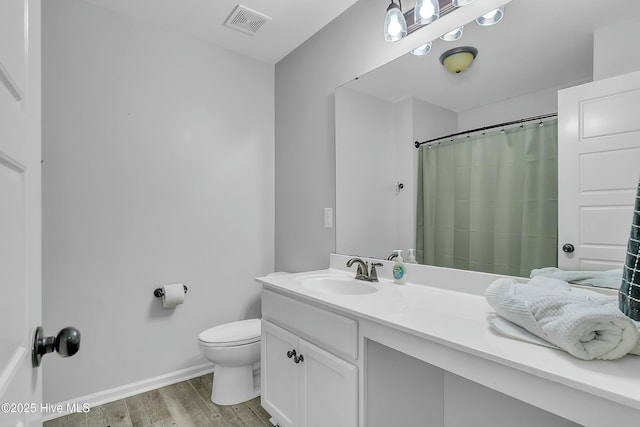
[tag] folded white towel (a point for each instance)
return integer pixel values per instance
(587, 325)
(511, 330)
(601, 279)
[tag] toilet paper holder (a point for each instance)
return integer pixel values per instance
(159, 292)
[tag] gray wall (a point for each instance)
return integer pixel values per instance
(157, 170)
(348, 47)
(373, 153)
(612, 47)
(365, 165)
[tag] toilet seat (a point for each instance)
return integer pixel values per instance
(231, 334)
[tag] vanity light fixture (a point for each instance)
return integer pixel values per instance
(426, 11)
(491, 18)
(458, 59)
(422, 50)
(395, 25)
(398, 25)
(453, 35)
(459, 3)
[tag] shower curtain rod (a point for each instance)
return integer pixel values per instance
(514, 122)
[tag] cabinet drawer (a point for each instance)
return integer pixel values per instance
(328, 330)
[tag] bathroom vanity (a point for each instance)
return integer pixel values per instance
(341, 352)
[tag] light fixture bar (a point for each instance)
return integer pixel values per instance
(445, 8)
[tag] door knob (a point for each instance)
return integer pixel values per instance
(568, 248)
(66, 343)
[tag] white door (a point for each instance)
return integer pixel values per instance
(327, 382)
(598, 171)
(280, 376)
(20, 235)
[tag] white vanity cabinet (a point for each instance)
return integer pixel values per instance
(304, 384)
(422, 354)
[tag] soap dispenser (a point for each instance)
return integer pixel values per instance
(399, 269)
(412, 257)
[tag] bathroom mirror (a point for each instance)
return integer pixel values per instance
(539, 47)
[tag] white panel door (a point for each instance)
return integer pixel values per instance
(20, 236)
(598, 171)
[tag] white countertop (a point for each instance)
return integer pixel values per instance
(457, 319)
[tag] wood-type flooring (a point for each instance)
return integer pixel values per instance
(185, 404)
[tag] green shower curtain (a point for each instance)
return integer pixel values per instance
(489, 202)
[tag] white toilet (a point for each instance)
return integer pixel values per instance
(234, 348)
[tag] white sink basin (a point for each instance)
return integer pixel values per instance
(337, 285)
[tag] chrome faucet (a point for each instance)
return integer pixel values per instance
(373, 275)
(362, 273)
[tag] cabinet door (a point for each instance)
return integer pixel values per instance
(329, 394)
(280, 380)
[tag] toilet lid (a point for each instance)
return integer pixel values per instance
(234, 333)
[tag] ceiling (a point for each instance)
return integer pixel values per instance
(539, 44)
(292, 22)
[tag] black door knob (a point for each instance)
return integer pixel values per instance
(66, 343)
(568, 248)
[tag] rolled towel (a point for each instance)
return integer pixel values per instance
(587, 326)
(511, 330)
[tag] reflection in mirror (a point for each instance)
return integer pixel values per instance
(521, 64)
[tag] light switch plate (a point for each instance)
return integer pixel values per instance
(328, 217)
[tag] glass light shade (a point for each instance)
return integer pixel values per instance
(458, 59)
(491, 18)
(426, 11)
(458, 62)
(458, 3)
(395, 26)
(422, 50)
(453, 35)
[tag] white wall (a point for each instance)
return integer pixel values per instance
(403, 201)
(365, 164)
(158, 168)
(431, 121)
(374, 152)
(614, 49)
(528, 105)
(348, 47)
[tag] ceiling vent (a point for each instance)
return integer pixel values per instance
(246, 20)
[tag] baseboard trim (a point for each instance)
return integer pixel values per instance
(128, 390)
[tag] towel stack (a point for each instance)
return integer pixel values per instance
(599, 279)
(586, 324)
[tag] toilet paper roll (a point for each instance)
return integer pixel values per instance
(173, 295)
